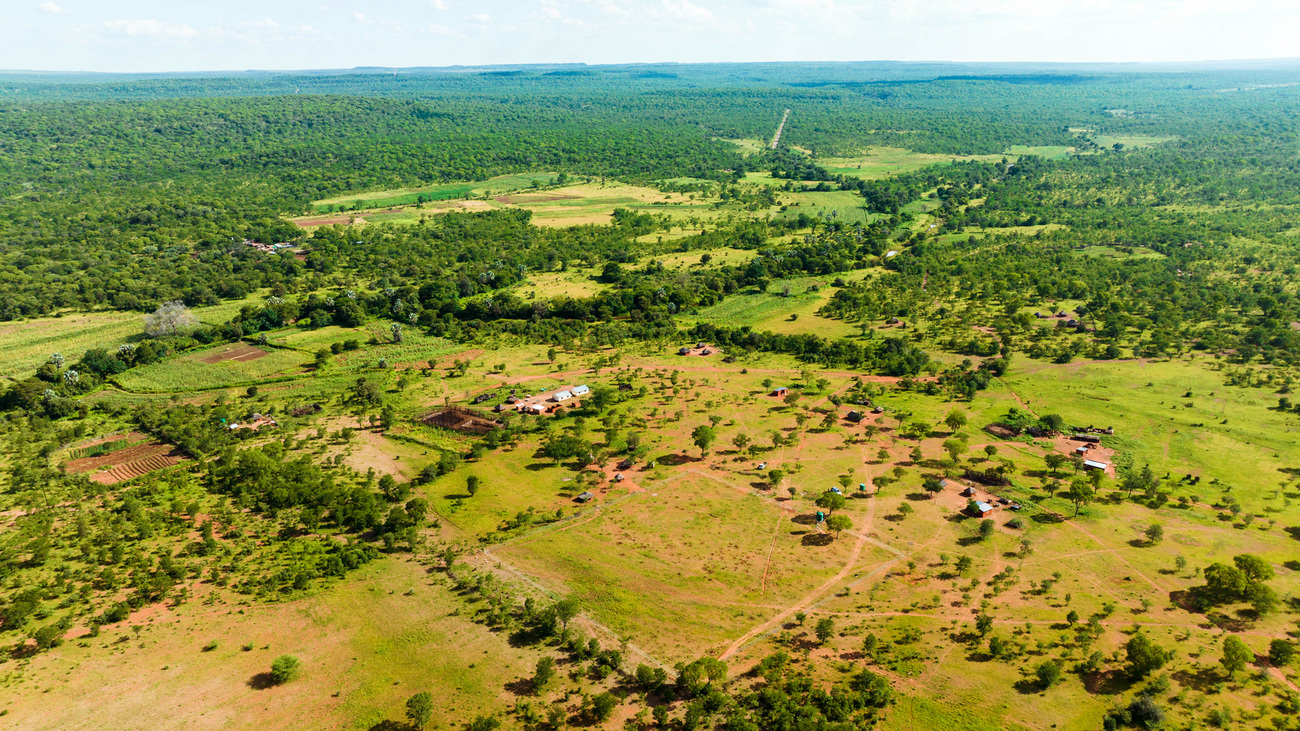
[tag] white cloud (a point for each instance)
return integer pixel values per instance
(53, 8)
(150, 28)
(439, 4)
(361, 18)
(479, 18)
(437, 30)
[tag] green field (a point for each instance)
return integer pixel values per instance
(189, 373)
(433, 193)
(882, 162)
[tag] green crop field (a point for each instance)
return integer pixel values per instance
(189, 373)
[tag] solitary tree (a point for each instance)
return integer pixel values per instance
(963, 564)
(471, 485)
(1055, 461)
(775, 476)
(838, 523)
(1048, 673)
(419, 708)
(1154, 533)
(1081, 493)
(285, 668)
(171, 318)
(565, 610)
(830, 501)
(954, 420)
(543, 674)
(704, 437)
(1145, 656)
(825, 629)
(954, 448)
(1236, 655)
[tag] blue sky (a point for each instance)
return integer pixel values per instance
(189, 35)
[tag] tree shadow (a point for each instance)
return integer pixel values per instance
(817, 539)
(1110, 682)
(1202, 680)
(1028, 687)
(389, 724)
(805, 519)
(673, 460)
(261, 681)
(917, 497)
(520, 687)
(1048, 518)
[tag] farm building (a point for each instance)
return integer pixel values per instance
(1090, 438)
(581, 390)
(535, 409)
(584, 497)
(982, 509)
(618, 477)
(482, 397)
(625, 464)
(683, 351)
(561, 396)
(779, 391)
(1092, 464)
(968, 492)
(878, 410)
(854, 416)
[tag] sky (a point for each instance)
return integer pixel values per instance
(208, 35)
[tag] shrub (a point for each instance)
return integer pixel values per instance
(285, 668)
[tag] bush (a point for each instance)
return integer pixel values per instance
(285, 668)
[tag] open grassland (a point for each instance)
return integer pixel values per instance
(1130, 141)
(881, 162)
(445, 191)
(29, 343)
(366, 646)
(569, 205)
(189, 372)
(574, 283)
(777, 311)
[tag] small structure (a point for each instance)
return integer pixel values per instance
(625, 464)
(1090, 438)
(535, 409)
(481, 398)
(968, 492)
(821, 517)
(581, 390)
(981, 509)
(512, 399)
(1092, 464)
(854, 416)
(762, 465)
(584, 497)
(892, 321)
(561, 396)
(779, 391)
(683, 351)
(878, 410)
(618, 477)
(837, 491)
(943, 483)
(706, 351)
(624, 386)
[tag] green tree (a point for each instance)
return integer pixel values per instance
(825, 630)
(1144, 656)
(1055, 461)
(774, 477)
(1154, 534)
(419, 708)
(986, 528)
(963, 564)
(954, 420)
(603, 705)
(285, 668)
(830, 501)
(1236, 655)
(1048, 673)
(1081, 493)
(983, 624)
(703, 437)
(838, 523)
(1280, 652)
(543, 674)
(565, 610)
(954, 448)
(471, 485)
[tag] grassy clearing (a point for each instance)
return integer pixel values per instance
(1111, 252)
(1131, 141)
(573, 283)
(445, 191)
(189, 373)
(1048, 151)
(29, 343)
(366, 646)
(882, 162)
(793, 314)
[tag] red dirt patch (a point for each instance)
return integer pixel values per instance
(129, 463)
(240, 353)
